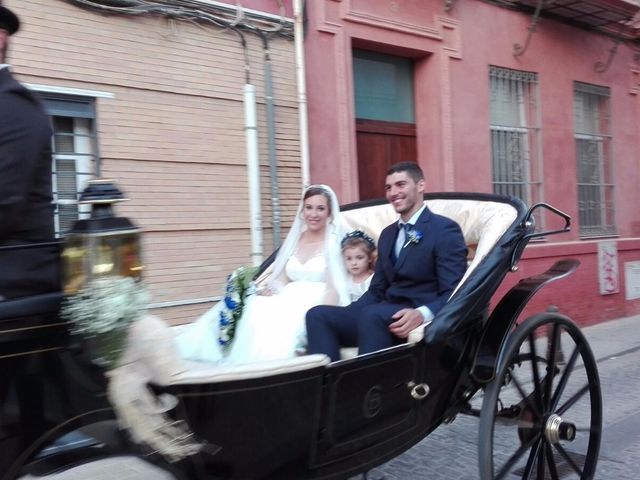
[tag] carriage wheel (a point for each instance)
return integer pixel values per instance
(542, 414)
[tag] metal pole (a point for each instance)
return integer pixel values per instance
(271, 138)
(298, 29)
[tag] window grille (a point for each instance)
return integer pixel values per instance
(515, 134)
(74, 155)
(594, 161)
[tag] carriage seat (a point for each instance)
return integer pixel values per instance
(151, 345)
(482, 224)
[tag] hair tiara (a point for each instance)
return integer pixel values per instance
(360, 235)
(319, 186)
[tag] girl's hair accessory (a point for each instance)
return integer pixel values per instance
(358, 235)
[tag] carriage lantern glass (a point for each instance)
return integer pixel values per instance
(101, 275)
(103, 245)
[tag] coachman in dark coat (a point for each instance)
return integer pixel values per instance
(26, 210)
(26, 219)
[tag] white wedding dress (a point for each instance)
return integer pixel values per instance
(271, 327)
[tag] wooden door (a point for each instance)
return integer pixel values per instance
(381, 144)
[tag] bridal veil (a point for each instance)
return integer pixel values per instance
(335, 231)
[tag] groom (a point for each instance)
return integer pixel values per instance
(421, 259)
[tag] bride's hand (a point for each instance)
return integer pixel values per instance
(271, 288)
(266, 291)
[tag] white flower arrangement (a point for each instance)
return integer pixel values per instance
(104, 309)
(240, 285)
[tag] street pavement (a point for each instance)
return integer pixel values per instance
(450, 452)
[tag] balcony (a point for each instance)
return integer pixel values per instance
(619, 19)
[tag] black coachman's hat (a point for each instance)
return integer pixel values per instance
(8, 20)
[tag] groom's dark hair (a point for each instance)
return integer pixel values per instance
(412, 169)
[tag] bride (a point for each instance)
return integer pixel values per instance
(308, 271)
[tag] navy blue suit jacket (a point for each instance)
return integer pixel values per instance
(425, 273)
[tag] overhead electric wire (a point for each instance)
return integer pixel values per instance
(197, 12)
(190, 10)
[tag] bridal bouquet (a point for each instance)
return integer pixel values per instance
(239, 286)
(102, 311)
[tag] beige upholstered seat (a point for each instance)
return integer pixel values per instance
(482, 224)
(151, 344)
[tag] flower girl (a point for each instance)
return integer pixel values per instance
(359, 253)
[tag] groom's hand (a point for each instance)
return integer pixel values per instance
(406, 320)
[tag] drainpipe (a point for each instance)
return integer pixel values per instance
(253, 161)
(253, 172)
(298, 32)
(271, 141)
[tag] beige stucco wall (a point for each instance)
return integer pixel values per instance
(173, 133)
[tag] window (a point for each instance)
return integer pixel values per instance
(74, 155)
(515, 134)
(594, 162)
(383, 87)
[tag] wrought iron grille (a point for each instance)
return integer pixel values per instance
(515, 134)
(596, 206)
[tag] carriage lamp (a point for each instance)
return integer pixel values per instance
(103, 244)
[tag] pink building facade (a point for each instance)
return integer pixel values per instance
(555, 120)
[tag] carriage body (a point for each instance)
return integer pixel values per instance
(308, 418)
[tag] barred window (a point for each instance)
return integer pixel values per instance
(515, 134)
(74, 155)
(594, 163)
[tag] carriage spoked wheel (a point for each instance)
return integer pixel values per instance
(542, 414)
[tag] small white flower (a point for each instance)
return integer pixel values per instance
(104, 309)
(105, 304)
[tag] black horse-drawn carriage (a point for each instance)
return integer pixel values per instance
(532, 382)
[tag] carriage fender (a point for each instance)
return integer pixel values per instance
(506, 313)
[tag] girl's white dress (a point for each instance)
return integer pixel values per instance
(356, 290)
(271, 327)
